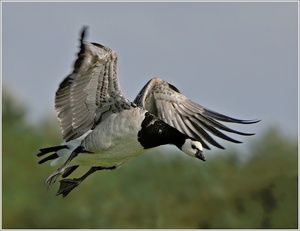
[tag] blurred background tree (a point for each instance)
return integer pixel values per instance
(160, 189)
(13, 112)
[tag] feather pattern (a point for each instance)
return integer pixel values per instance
(167, 103)
(91, 92)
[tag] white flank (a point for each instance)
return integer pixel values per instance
(113, 142)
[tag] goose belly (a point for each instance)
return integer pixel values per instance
(114, 141)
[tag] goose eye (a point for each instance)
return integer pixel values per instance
(193, 146)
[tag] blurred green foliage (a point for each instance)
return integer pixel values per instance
(155, 190)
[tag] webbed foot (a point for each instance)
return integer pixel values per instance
(67, 185)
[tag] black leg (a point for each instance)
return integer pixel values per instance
(52, 178)
(69, 170)
(67, 185)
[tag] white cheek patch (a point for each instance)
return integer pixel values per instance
(198, 145)
(188, 149)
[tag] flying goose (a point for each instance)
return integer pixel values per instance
(102, 129)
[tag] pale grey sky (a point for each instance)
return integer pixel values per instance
(237, 58)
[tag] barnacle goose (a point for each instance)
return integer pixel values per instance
(102, 129)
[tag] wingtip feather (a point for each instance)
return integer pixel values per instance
(83, 32)
(250, 121)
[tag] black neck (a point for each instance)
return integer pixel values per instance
(155, 132)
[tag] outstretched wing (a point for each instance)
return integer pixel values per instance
(167, 103)
(91, 92)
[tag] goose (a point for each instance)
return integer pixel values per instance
(102, 129)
